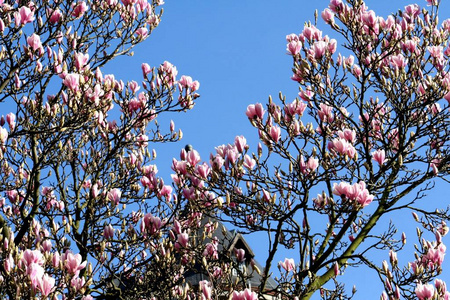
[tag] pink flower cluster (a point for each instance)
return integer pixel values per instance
(429, 291)
(434, 256)
(227, 156)
(356, 194)
(151, 225)
(343, 144)
(33, 262)
(319, 46)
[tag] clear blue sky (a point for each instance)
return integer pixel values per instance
(236, 49)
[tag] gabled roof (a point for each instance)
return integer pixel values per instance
(228, 242)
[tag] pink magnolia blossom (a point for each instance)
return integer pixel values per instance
(288, 264)
(36, 272)
(182, 240)
(46, 284)
(328, 16)
(332, 46)
(17, 81)
(56, 260)
(249, 162)
(150, 224)
(409, 45)
(240, 142)
(46, 246)
(80, 60)
(399, 61)
(294, 47)
(246, 294)
(8, 263)
(203, 170)
(275, 133)
(25, 15)
(348, 134)
(379, 156)
(72, 262)
(185, 82)
(393, 257)
(32, 257)
(336, 269)
(320, 201)
(311, 33)
(336, 6)
(240, 254)
(434, 164)
(134, 86)
(319, 49)
(108, 232)
(325, 113)
(411, 12)
(440, 285)
(11, 120)
(255, 111)
(77, 283)
(95, 190)
(436, 51)
(134, 105)
(34, 41)
(364, 198)
(356, 70)
(166, 192)
(205, 287)
(291, 37)
(146, 69)
(443, 229)
(72, 81)
(312, 164)
(424, 291)
(193, 157)
(434, 256)
(141, 32)
(3, 135)
(306, 95)
(296, 107)
(79, 9)
(232, 155)
(195, 86)
(369, 18)
(55, 16)
(341, 189)
(343, 147)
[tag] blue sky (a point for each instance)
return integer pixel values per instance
(236, 49)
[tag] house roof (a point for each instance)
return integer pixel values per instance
(229, 240)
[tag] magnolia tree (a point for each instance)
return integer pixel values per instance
(84, 215)
(367, 138)
(76, 217)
